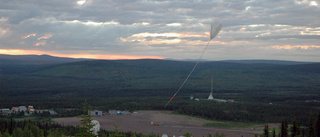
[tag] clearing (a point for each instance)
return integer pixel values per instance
(164, 122)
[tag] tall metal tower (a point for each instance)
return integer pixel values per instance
(210, 96)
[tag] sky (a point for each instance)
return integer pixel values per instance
(160, 29)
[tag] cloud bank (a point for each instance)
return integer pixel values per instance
(111, 29)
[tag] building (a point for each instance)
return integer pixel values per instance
(220, 100)
(19, 109)
(4, 109)
(118, 112)
(191, 97)
(51, 112)
(31, 109)
(95, 113)
(210, 97)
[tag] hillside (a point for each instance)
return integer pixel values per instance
(14, 64)
(162, 76)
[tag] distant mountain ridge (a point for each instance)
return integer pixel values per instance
(278, 62)
(35, 59)
(150, 76)
(27, 63)
(47, 59)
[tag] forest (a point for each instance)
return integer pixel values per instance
(263, 91)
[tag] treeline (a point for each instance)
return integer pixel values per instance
(295, 129)
(247, 108)
(13, 128)
(241, 110)
(29, 128)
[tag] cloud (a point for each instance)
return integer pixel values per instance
(46, 36)
(30, 35)
(168, 29)
(304, 47)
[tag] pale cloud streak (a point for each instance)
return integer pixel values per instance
(289, 47)
(46, 36)
(30, 35)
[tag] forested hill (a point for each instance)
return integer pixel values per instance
(14, 64)
(160, 76)
(34, 59)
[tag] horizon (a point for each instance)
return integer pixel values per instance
(169, 59)
(278, 30)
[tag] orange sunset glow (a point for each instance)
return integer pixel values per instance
(80, 55)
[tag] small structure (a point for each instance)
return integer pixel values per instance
(220, 100)
(118, 112)
(96, 127)
(210, 97)
(95, 113)
(51, 112)
(19, 109)
(216, 99)
(191, 97)
(4, 109)
(230, 101)
(31, 109)
(113, 112)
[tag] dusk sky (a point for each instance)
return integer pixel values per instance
(159, 29)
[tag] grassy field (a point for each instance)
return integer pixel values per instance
(232, 125)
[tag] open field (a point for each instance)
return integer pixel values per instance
(169, 124)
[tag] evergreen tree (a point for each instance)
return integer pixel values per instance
(45, 132)
(219, 135)
(27, 133)
(317, 125)
(187, 134)
(6, 134)
(17, 132)
(36, 132)
(55, 133)
(11, 126)
(266, 130)
(85, 129)
(311, 126)
(284, 128)
(116, 132)
(4, 129)
(274, 132)
(295, 129)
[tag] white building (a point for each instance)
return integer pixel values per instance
(19, 109)
(95, 113)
